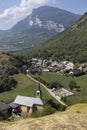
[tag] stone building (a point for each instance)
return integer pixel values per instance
(31, 104)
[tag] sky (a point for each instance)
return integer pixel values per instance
(12, 11)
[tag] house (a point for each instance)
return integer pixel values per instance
(85, 70)
(31, 104)
(65, 62)
(44, 63)
(69, 66)
(34, 61)
(15, 108)
(5, 109)
(45, 70)
(54, 63)
(39, 63)
(83, 65)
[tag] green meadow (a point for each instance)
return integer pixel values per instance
(25, 87)
(79, 97)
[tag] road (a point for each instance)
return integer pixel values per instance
(49, 90)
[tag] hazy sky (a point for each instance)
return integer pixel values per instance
(12, 11)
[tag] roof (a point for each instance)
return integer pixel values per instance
(28, 101)
(3, 106)
(45, 70)
(13, 105)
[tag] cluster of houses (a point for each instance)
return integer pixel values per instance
(23, 104)
(62, 66)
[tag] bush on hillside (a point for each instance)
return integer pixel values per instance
(46, 111)
(7, 84)
(12, 71)
(56, 106)
(55, 84)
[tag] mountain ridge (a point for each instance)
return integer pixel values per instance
(38, 14)
(70, 44)
(43, 24)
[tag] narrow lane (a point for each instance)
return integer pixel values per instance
(51, 93)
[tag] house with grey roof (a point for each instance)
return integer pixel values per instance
(30, 104)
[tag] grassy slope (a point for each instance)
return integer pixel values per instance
(75, 118)
(81, 81)
(24, 87)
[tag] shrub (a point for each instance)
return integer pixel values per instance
(55, 84)
(72, 84)
(12, 71)
(7, 83)
(56, 106)
(46, 111)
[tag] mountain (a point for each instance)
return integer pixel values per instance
(74, 118)
(47, 18)
(43, 24)
(69, 45)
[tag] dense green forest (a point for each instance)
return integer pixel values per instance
(69, 45)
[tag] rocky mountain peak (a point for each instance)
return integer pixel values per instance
(42, 25)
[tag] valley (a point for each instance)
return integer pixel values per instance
(42, 25)
(43, 69)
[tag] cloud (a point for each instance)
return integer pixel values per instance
(54, 1)
(14, 14)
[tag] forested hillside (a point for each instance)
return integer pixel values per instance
(69, 45)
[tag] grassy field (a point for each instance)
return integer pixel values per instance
(81, 81)
(74, 118)
(25, 87)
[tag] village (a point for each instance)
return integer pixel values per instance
(65, 67)
(27, 105)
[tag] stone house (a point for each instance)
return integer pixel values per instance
(31, 104)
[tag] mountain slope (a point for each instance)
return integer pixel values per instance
(43, 24)
(75, 118)
(47, 18)
(70, 44)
